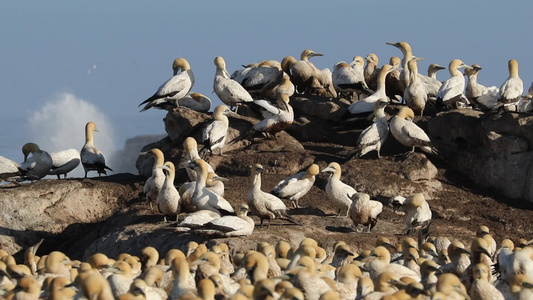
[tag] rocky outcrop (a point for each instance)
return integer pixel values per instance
(494, 150)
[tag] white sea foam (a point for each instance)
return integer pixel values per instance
(60, 124)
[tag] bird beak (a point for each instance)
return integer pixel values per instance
(328, 169)
(397, 45)
(220, 178)
(461, 250)
(260, 170)
(419, 58)
(316, 54)
(477, 68)
(465, 66)
(440, 68)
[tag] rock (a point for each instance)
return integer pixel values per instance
(321, 107)
(182, 122)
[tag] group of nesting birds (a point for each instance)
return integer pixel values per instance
(38, 163)
(438, 268)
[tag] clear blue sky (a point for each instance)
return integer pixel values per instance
(115, 54)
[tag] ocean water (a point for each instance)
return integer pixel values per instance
(60, 124)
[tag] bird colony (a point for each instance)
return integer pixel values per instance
(429, 267)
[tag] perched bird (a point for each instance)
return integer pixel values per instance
(338, 192)
(480, 96)
(198, 218)
(64, 161)
(169, 200)
(214, 135)
(228, 90)
(371, 71)
(285, 86)
(296, 186)
(173, 89)
(304, 75)
(364, 211)
(38, 164)
(381, 263)
(350, 79)
(265, 205)
(393, 84)
(373, 137)
(408, 133)
(154, 183)
(450, 93)
(415, 94)
(511, 90)
(240, 225)
(459, 259)
(433, 69)
(407, 56)
(190, 147)
(263, 75)
(367, 104)
(203, 198)
(214, 183)
(418, 213)
(92, 158)
(195, 101)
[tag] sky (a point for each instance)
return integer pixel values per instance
(81, 61)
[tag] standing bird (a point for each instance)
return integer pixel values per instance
(338, 192)
(371, 71)
(173, 89)
(228, 90)
(38, 164)
(407, 56)
(450, 93)
(168, 200)
(393, 84)
(480, 96)
(154, 183)
(296, 186)
(511, 90)
(408, 133)
(285, 86)
(418, 213)
(276, 117)
(91, 157)
(364, 211)
(373, 137)
(190, 147)
(303, 73)
(214, 135)
(350, 79)
(415, 94)
(265, 205)
(367, 104)
(64, 161)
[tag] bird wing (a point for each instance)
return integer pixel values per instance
(451, 88)
(415, 133)
(511, 90)
(268, 109)
(227, 224)
(61, 158)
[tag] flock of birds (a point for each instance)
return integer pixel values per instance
(433, 268)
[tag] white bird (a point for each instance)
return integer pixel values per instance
(366, 105)
(195, 101)
(364, 211)
(169, 200)
(190, 147)
(481, 96)
(303, 73)
(382, 264)
(214, 135)
(228, 90)
(408, 133)
(38, 164)
(373, 137)
(8, 168)
(296, 186)
(433, 69)
(415, 94)
(348, 79)
(265, 205)
(512, 88)
(418, 213)
(371, 71)
(154, 183)
(92, 158)
(64, 161)
(262, 75)
(203, 198)
(173, 89)
(407, 56)
(338, 192)
(240, 225)
(276, 117)
(214, 183)
(198, 218)
(285, 86)
(450, 93)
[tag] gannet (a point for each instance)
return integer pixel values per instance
(204, 198)
(527, 103)
(481, 96)
(91, 157)
(292, 294)
(121, 279)
(484, 233)
(371, 71)
(428, 272)
(381, 263)
(27, 288)
(96, 286)
(240, 74)
(350, 79)
(450, 93)
(408, 133)
(520, 288)
(59, 291)
(418, 213)
(263, 75)
(240, 225)
(8, 168)
(276, 117)
(512, 88)
(393, 84)
(407, 56)
(451, 286)
(38, 164)
(303, 73)
(459, 259)
(296, 186)
(306, 278)
(415, 94)
(173, 89)
(433, 69)
(373, 137)
(367, 104)
(64, 161)
(214, 183)
(364, 211)
(274, 270)
(191, 153)
(214, 135)
(168, 200)
(338, 192)
(183, 283)
(265, 205)
(228, 90)
(285, 86)
(325, 78)
(153, 185)
(195, 101)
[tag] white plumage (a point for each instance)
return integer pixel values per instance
(203, 198)
(296, 186)
(92, 158)
(64, 161)
(169, 200)
(153, 184)
(348, 79)
(415, 94)
(38, 164)
(214, 135)
(228, 90)
(450, 93)
(373, 137)
(408, 133)
(195, 101)
(418, 213)
(481, 96)
(367, 104)
(276, 117)
(364, 211)
(173, 89)
(511, 90)
(191, 153)
(240, 225)
(338, 192)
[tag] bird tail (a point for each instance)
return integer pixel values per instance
(283, 215)
(354, 153)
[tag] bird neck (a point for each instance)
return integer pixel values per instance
(256, 181)
(89, 136)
